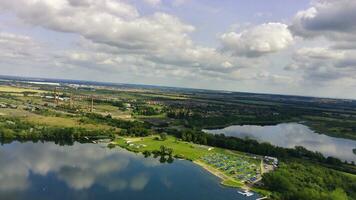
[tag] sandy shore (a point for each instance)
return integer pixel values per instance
(219, 174)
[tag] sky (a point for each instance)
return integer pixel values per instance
(299, 47)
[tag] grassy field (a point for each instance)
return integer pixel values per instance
(64, 122)
(11, 89)
(167, 96)
(187, 150)
(114, 111)
(49, 120)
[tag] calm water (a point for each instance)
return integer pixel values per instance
(294, 134)
(91, 171)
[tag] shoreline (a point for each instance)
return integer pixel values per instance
(224, 179)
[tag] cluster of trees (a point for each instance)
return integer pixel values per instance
(178, 113)
(165, 154)
(163, 136)
(48, 112)
(303, 180)
(137, 131)
(192, 136)
(15, 129)
(12, 128)
(134, 128)
(335, 127)
(119, 104)
(198, 120)
(146, 110)
(213, 117)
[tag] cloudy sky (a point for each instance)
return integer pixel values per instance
(302, 47)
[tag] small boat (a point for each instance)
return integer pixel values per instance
(245, 193)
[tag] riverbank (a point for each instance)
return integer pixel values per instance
(225, 180)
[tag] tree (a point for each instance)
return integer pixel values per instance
(162, 149)
(169, 151)
(338, 194)
(163, 136)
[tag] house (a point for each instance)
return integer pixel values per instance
(49, 97)
(271, 160)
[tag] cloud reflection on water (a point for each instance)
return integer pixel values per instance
(79, 166)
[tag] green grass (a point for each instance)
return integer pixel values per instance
(66, 122)
(18, 90)
(343, 128)
(327, 119)
(159, 116)
(188, 150)
(231, 183)
(105, 109)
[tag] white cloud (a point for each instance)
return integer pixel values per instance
(179, 2)
(115, 37)
(153, 2)
(325, 66)
(104, 21)
(158, 40)
(139, 182)
(335, 20)
(15, 46)
(274, 78)
(320, 53)
(258, 40)
(330, 62)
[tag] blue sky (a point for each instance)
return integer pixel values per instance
(297, 47)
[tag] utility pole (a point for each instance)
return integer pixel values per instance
(71, 100)
(55, 96)
(92, 104)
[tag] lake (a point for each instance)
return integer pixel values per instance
(34, 171)
(293, 134)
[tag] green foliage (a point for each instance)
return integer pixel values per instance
(193, 136)
(15, 129)
(133, 128)
(165, 154)
(338, 194)
(163, 136)
(145, 110)
(303, 180)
